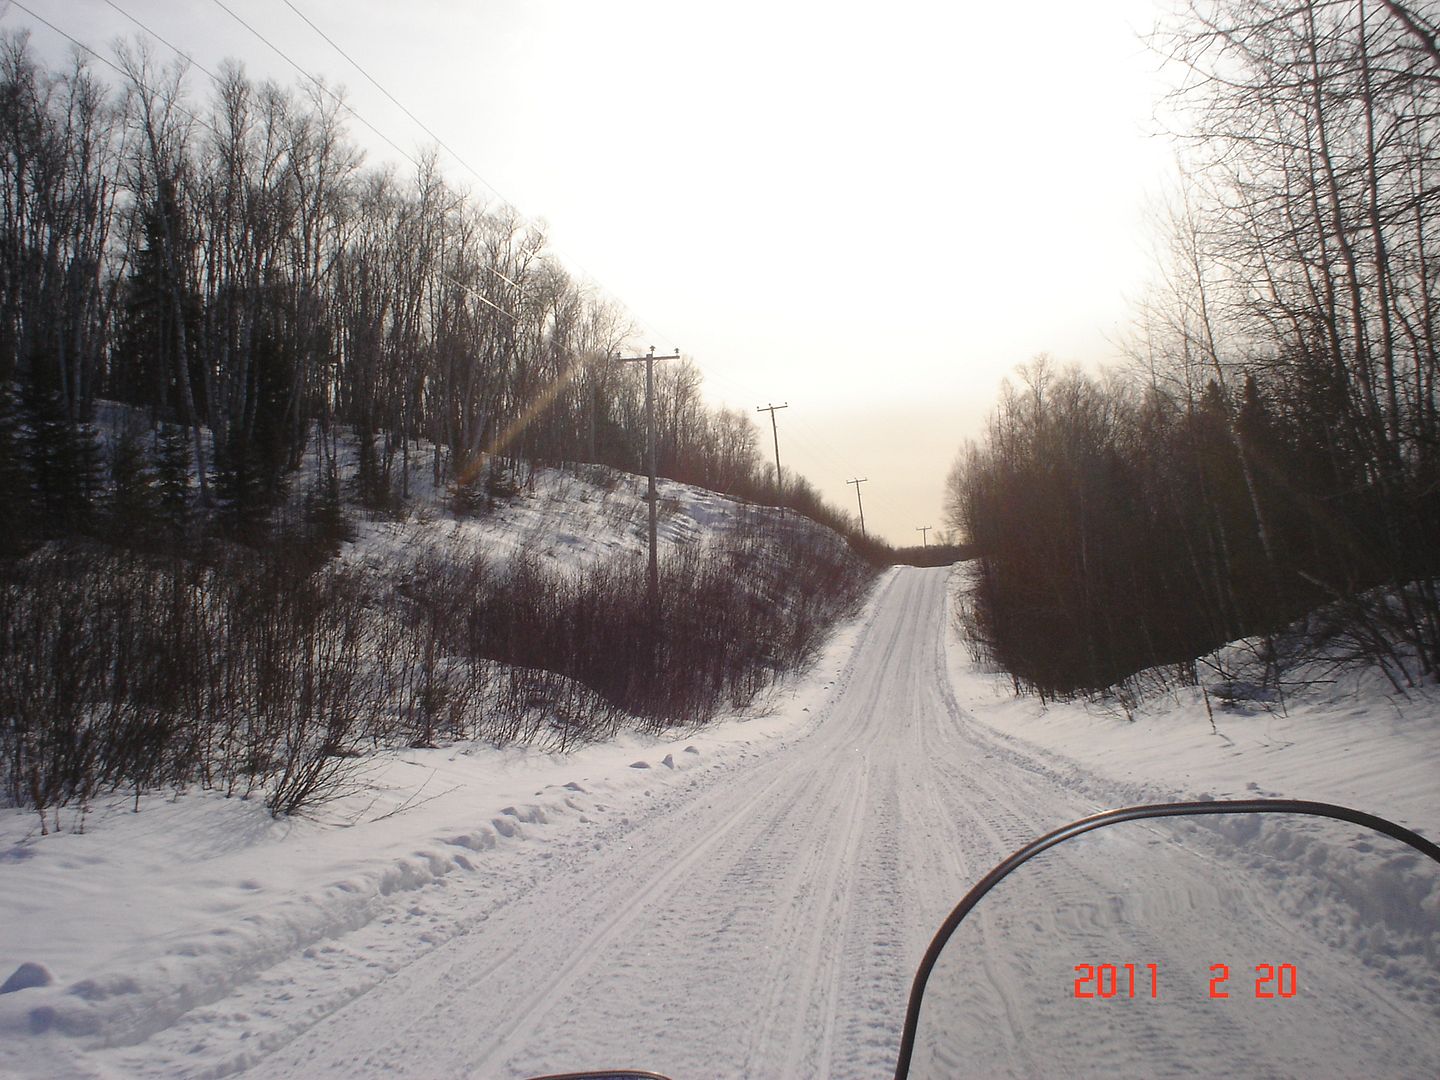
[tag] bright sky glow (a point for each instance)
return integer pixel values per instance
(871, 212)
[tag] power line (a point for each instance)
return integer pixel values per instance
(431, 133)
(827, 451)
(355, 113)
(396, 101)
(163, 41)
(319, 83)
(477, 294)
(114, 66)
(820, 450)
(77, 43)
(423, 127)
(819, 447)
(529, 220)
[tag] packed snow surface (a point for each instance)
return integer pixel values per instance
(752, 899)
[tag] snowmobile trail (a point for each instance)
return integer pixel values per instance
(762, 910)
(758, 915)
(777, 908)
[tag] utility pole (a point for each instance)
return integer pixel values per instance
(650, 359)
(924, 530)
(779, 488)
(857, 483)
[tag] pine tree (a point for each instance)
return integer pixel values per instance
(371, 483)
(42, 442)
(172, 479)
(239, 486)
(142, 368)
(85, 464)
(64, 462)
(17, 497)
(326, 524)
(133, 504)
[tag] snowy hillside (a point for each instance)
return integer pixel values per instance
(575, 518)
(514, 609)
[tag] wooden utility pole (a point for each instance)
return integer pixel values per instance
(650, 359)
(779, 484)
(857, 482)
(923, 530)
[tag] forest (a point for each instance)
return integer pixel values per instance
(1272, 451)
(222, 337)
(225, 264)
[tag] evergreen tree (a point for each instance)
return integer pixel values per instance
(172, 479)
(372, 485)
(239, 485)
(64, 462)
(326, 523)
(133, 503)
(85, 461)
(143, 362)
(17, 497)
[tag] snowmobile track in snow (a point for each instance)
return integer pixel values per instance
(778, 906)
(759, 915)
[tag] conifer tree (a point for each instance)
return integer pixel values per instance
(133, 502)
(325, 521)
(64, 462)
(172, 479)
(244, 505)
(17, 497)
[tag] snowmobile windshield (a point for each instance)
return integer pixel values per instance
(1221, 941)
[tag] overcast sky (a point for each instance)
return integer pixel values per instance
(870, 211)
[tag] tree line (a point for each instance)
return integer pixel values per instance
(226, 264)
(1274, 448)
(197, 297)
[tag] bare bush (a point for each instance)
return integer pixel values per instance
(257, 674)
(119, 670)
(731, 620)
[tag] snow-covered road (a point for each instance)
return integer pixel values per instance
(755, 907)
(763, 920)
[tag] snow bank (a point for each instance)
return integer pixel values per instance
(144, 917)
(1353, 740)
